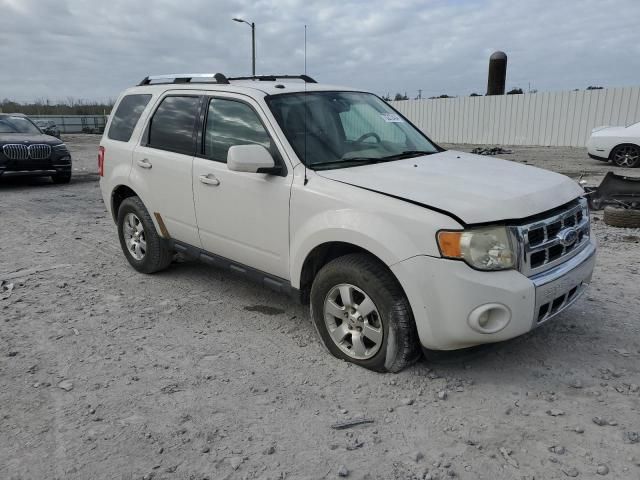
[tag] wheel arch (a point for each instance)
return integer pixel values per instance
(324, 253)
(118, 195)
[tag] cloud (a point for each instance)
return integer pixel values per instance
(88, 49)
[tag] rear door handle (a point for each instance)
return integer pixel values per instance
(145, 163)
(209, 179)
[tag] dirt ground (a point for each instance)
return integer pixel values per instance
(194, 373)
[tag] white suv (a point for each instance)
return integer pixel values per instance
(331, 195)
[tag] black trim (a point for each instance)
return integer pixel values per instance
(595, 157)
(270, 281)
(273, 78)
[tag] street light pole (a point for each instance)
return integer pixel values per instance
(253, 43)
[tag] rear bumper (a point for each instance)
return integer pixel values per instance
(455, 306)
(596, 157)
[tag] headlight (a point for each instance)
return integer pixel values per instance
(486, 248)
(62, 147)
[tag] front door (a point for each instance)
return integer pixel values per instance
(241, 216)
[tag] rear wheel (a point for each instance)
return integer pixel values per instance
(626, 156)
(144, 248)
(362, 314)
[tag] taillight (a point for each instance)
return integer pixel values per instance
(101, 161)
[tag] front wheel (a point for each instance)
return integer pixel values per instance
(626, 156)
(144, 248)
(362, 314)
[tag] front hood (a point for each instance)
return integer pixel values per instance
(28, 139)
(474, 188)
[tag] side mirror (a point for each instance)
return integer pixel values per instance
(251, 159)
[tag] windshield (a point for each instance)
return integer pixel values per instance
(10, 124)
(344, 129)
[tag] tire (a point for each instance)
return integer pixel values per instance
(364, 277)
(622, 217)
(59, 178)
(626, 156)
(134, 223)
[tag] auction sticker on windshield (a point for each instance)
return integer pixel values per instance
(391, 118)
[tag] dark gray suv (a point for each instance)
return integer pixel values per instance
(26, 150)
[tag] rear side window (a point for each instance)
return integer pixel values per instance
(172, 126)
(127, 116)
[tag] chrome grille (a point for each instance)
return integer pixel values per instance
(17, 151)
(39, 151)
(553, 240)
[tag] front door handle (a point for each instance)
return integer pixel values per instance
(144, 163)
(209, 179)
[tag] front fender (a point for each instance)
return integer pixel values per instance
(366, 230)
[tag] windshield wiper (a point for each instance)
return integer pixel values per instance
(347, 162)
(406, 154)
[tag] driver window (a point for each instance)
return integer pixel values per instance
(230, 123)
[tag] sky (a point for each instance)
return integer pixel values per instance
(94, 49)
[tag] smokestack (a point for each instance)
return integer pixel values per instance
(497, 73)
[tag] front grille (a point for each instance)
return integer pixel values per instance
(37, 151)
(552, 240)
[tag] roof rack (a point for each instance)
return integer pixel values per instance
(214, 78)
(184, 78)
(273, 78)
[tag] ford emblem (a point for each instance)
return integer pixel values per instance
(568, 236)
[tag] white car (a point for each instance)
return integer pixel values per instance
(621, 145)
(330, 195)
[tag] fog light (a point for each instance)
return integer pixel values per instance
(489, 318)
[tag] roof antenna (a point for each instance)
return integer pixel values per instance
(306, 179)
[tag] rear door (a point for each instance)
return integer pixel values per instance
(241, 216)
(163, 165)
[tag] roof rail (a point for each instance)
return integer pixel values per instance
(184, 78)
(273, 78)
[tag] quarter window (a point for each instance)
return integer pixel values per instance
(172, 125)
(126, 116)
(232, 123)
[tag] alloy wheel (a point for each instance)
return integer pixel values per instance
(134, 237)
(626, 156)
(353, 321)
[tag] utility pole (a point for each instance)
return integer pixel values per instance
(253, 43)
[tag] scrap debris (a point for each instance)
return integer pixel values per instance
(351, 423)
(491, 151)
(5, 290)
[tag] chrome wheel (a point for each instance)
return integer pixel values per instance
(626, 156)
(353, 321)
(134, 238)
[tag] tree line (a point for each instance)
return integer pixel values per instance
(69, 106)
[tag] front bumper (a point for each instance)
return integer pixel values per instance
(58, 163)
(456, 307)
(597, 149)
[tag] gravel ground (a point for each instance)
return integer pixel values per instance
(194, 373)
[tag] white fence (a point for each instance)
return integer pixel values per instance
(551, 118)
